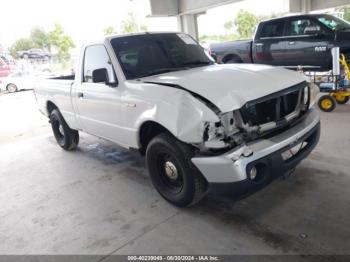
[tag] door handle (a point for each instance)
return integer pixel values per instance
(259, 44)
(80, 95)
(291, 43)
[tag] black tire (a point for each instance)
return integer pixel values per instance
(12, 88)
(66, 137)
(185, 185)
(327, 103)
(343, 101)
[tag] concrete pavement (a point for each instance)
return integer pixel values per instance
(99, 199)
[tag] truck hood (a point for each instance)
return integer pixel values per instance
(230, 86)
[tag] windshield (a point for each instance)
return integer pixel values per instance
(151, 54)
(333, 22)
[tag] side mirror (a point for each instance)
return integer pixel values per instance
(101, 76)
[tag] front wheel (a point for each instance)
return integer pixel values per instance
(12, 88)
(327, 103)
(66, 137)
(172, 173)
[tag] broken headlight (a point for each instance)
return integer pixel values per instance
(223, 133)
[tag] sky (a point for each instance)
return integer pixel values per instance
(213, 21)
(85, 20)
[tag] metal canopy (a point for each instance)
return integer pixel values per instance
(304, 6)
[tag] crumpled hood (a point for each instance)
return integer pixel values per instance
(230, 86)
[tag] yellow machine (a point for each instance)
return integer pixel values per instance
(339, 95)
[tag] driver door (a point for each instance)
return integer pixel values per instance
(99, 103)
(307, 43)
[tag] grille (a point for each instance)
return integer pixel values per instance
(272, 108)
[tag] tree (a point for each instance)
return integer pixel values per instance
(346, 12)
(39, 37)
(228, 26)
(143, 28)
(20, 45)
(245, 23)
(62, 42)
(130, 25)
(109, 30)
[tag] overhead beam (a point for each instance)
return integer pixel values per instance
(306, 6)
(164, 7)
(181, 7)
(324, 4)
(195, 6)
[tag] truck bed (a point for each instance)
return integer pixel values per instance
(65, 77)
(241, 50)
(56, 89)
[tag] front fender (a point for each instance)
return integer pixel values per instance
(182, 114)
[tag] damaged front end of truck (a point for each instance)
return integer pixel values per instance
(258, 119)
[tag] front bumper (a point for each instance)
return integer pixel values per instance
(267, 153)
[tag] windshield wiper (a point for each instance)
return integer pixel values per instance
(197, 62)
(161, 71)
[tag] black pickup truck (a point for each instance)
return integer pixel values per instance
(303, 40)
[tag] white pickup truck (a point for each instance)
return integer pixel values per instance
(199, 124)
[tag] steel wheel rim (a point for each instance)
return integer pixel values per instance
(61, 130)
(11, 88)
(58, 131)
(170, 175)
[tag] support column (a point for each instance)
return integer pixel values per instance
(299, 6)
(305, 6)
(187, 23)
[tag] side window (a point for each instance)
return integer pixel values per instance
(302, 27)
(272, 29)
(96, 57)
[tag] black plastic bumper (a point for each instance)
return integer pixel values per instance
(270, 167)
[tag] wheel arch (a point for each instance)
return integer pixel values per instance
(50, 106)
(147, 131)
(231, 56)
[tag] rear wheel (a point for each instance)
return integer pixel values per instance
(66, 137)
(172, 173)
(327, 103)
(342, 100)
(12, 88)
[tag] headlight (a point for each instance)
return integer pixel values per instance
(314, 91)
(220, 134)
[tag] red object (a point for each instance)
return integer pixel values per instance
(5, 69)
(209, 51)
